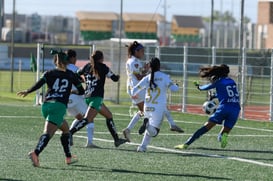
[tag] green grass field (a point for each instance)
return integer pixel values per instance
(248, 155)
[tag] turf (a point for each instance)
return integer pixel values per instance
(248, 155)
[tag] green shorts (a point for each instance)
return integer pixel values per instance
(94, 102)
(54, 112)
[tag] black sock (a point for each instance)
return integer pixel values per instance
(65, 143)
(196, 135)
(79, 125)
(111, 127)
(44, 139)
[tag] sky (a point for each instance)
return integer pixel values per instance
(173, 7)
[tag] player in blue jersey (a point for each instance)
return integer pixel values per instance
(59, 83)
(95, 74)
(228, 110)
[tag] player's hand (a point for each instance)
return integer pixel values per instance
(135, 97)
(23, 93)
(196, 83)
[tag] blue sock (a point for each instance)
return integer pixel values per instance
(196, 135)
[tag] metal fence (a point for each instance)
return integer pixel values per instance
(251, 69)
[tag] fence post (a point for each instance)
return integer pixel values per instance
(271, 88)
(38, 59)
(185, 79)
(243, 82)
(213, 54)
(157, 52)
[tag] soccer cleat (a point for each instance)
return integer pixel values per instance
(224, 140)
(126, 133)
(119, 142)
(143, 126)
(71, 160)
(34, 158)
(141, 149)
(91, 145)
(181, 147)
(177, 129)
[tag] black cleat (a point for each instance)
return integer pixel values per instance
(143, 127)
(119, 142)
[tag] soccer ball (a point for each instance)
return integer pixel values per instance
(209, 107)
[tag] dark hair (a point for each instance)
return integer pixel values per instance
(135, 46)
(71, 53)
(155, 66)
(215, 72)
(95, 57)
(59, 55)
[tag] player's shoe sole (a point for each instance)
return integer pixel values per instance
(181, 147)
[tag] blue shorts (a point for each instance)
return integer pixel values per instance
(228, 113)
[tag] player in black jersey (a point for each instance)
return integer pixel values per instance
(59, 83)
(95, 74)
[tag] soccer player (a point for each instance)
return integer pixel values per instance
(59, 82)
(155, 85)
(76, 106)
(228, 109)
(135, 72)
(95, 74)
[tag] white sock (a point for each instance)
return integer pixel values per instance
(133, 121)
(169, 118)
(90, 132)
(146, 140)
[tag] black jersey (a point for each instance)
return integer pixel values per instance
(94, 85)
(59, 84)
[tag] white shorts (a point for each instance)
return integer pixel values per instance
(141, 97)
(155, 115)
(76, 105)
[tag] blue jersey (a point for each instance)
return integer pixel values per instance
(229, 101)
(226, 90)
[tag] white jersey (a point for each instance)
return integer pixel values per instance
(155, 99)
(133, 66)
(76, 104)
(74, 69)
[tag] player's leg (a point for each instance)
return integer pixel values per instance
(111, 125)
(173, 126)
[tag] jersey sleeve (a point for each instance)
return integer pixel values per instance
(39, 83)
(143, 84)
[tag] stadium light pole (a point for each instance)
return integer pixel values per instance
(12, 46)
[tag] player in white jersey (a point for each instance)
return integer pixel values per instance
(135, 72)
(156, 85)
(76, 106)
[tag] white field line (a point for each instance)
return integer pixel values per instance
(190, 152)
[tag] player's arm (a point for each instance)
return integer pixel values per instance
(140, 86)
(35, 87)
(112, 76)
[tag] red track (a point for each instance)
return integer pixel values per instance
(258, 113)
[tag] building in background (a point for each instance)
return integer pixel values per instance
(186, 30)
(142, 25)
(97, 25)
(265, 24)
